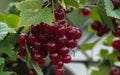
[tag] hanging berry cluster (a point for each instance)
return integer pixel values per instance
(55, 41)
(116, 42)
(101, 29)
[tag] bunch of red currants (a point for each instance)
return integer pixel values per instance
(55, 41)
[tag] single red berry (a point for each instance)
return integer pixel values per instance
(66, 59)
(64, 50)
(59, 71)
(62, 40)
(116, 44)
(22, 39)
(86, 11)
(78, 33)
(60, 64)
(96, 25)
(72, 43)
(31, 39)
(36, 57)
(54, 56)
(51, 46)
(60, 30)
(59, 14)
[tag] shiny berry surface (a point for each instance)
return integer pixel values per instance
(59, 71)
(116, 44)
(86, 11)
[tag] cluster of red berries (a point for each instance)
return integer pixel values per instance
(116, 33)
(115, 71)
(54, 41)
(116, 3)
(101, 29)
(86, 11)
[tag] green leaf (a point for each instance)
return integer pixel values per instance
(7, 48)
(12, 21)
(110, 9)
(1, 67)
(75, 18)
(105, 19)
(108, 41)
(1, 60)
(13, 38)
(29, 18)
(104, 53)
(4, 30)
(37, 68)
(2, 17)
(12, 8)
(1, 64)
(6, 73)
(72, 3)
(113, 56)
(32, 13)
(95, 15)
(28, 5)
(89, 46)
(103, 70)
(83, 1)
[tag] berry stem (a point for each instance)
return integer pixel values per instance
(53, 11)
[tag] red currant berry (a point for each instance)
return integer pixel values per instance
(96, 25)
(59, 71)
(66, 59)
(36, 57)
(22, 39)
(51, 45)
(54, 56)
(78, 33)
(31, 39)
(62, 40)
(116, 44)
(59, 14)
(72, 43)
(64, 50)
(60, 64)
(86, 11)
